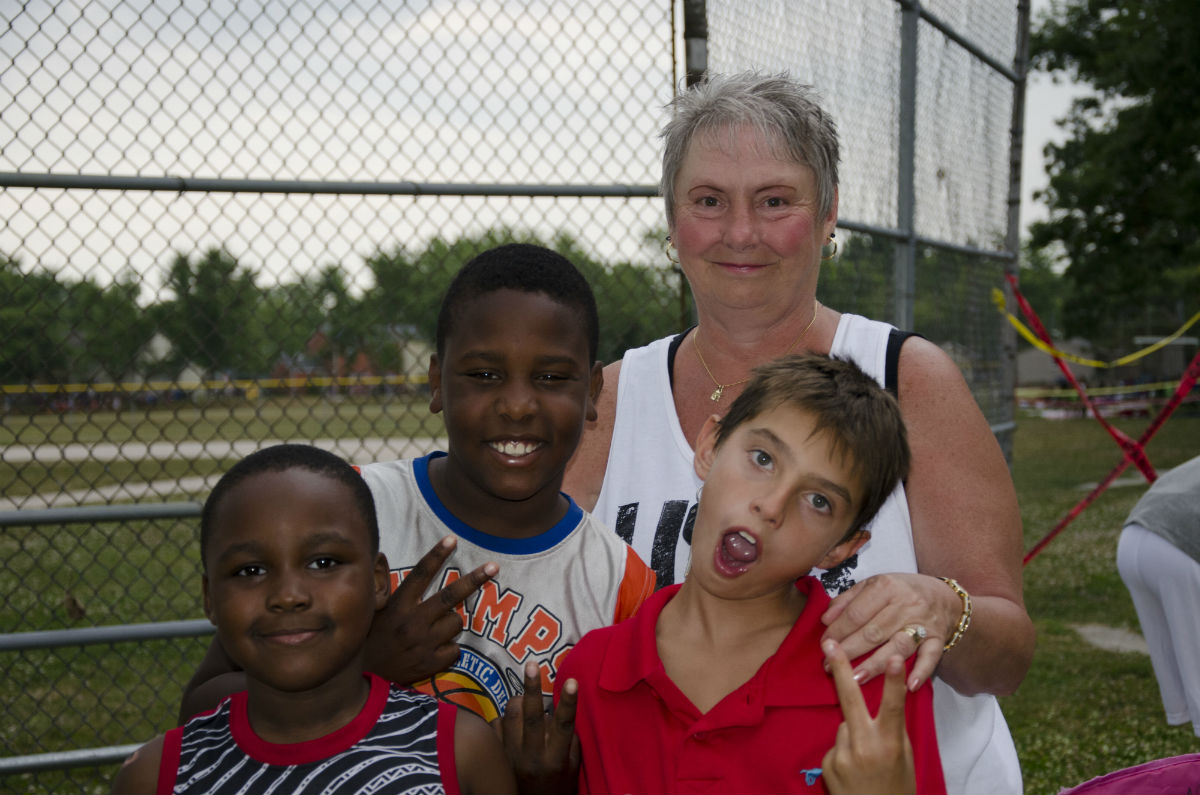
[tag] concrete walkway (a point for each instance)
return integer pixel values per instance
(358, 451)
(1111, 638)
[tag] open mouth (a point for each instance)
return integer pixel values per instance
(736, 552)
(514, 448)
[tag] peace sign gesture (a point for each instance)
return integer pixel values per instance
(542, 747)
(411, 639)
(871, 754)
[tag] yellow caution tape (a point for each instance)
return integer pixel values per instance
(1035, 341)
(251, 387)
(1067, 393)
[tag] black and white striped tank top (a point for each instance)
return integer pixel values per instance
(400, 742)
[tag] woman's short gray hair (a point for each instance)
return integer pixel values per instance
(786, 113)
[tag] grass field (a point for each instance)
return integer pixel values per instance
(1081, 711)
(294, 418)
(1084, 711)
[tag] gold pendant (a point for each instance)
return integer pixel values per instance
(715, 397)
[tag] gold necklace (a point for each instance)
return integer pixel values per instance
(717, 393)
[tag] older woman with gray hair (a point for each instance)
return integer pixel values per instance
(751, 190)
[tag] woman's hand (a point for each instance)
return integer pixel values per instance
(870, 754)
(966, 522)
(885, 614)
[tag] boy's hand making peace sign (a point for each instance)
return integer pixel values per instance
(542, 747)
(870, 754)
(413, 638)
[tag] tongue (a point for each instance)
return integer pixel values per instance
(740, 549)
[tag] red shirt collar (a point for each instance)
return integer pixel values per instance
(632, 655)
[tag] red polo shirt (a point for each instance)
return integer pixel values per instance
(639, 733)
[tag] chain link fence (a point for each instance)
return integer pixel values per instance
(924, 97)
(229, 223)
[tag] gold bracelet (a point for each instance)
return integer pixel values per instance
(964, 620)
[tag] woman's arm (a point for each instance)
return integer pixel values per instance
(216, 677)
(966, 522)
(139, 773)
(479, 757)
(966, 525)
(585, 470)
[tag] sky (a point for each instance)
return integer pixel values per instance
(1045, 103)
(124, 119)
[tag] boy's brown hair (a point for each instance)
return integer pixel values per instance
(861, 418)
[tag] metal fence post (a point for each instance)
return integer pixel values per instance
(1012, 240)
(904, 273)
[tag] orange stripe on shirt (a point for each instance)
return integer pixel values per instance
(636, 586)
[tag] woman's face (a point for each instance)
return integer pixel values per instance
(746, 224)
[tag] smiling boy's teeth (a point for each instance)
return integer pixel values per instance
(747, 536)
(514, 448)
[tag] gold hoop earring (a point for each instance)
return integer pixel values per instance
(832, 253)
(667, 247)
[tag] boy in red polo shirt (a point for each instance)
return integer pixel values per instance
(718, 684)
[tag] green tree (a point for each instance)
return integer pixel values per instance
(636, 303)
(409, 287)
(210, 321)
(34, 333)
(348, 330)
(1124, 186)
(109, 329)
(289, 315)
(860, 278)
(1046, 290)
(320, 307)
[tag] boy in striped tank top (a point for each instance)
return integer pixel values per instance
(293, 577)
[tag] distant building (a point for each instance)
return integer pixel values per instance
(1037, 368)
(1165, 364)
(407, 356)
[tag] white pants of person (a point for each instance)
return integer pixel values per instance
(1165, 586)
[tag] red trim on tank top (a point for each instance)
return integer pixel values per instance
(314, 750)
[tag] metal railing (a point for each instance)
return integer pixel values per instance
(13, 643)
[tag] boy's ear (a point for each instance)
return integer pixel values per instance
(383, 580)
(435, 384)
(594, 389)
(706, 446)
(208, 608)
(844, 549)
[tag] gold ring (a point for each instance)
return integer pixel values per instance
(916, 632)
